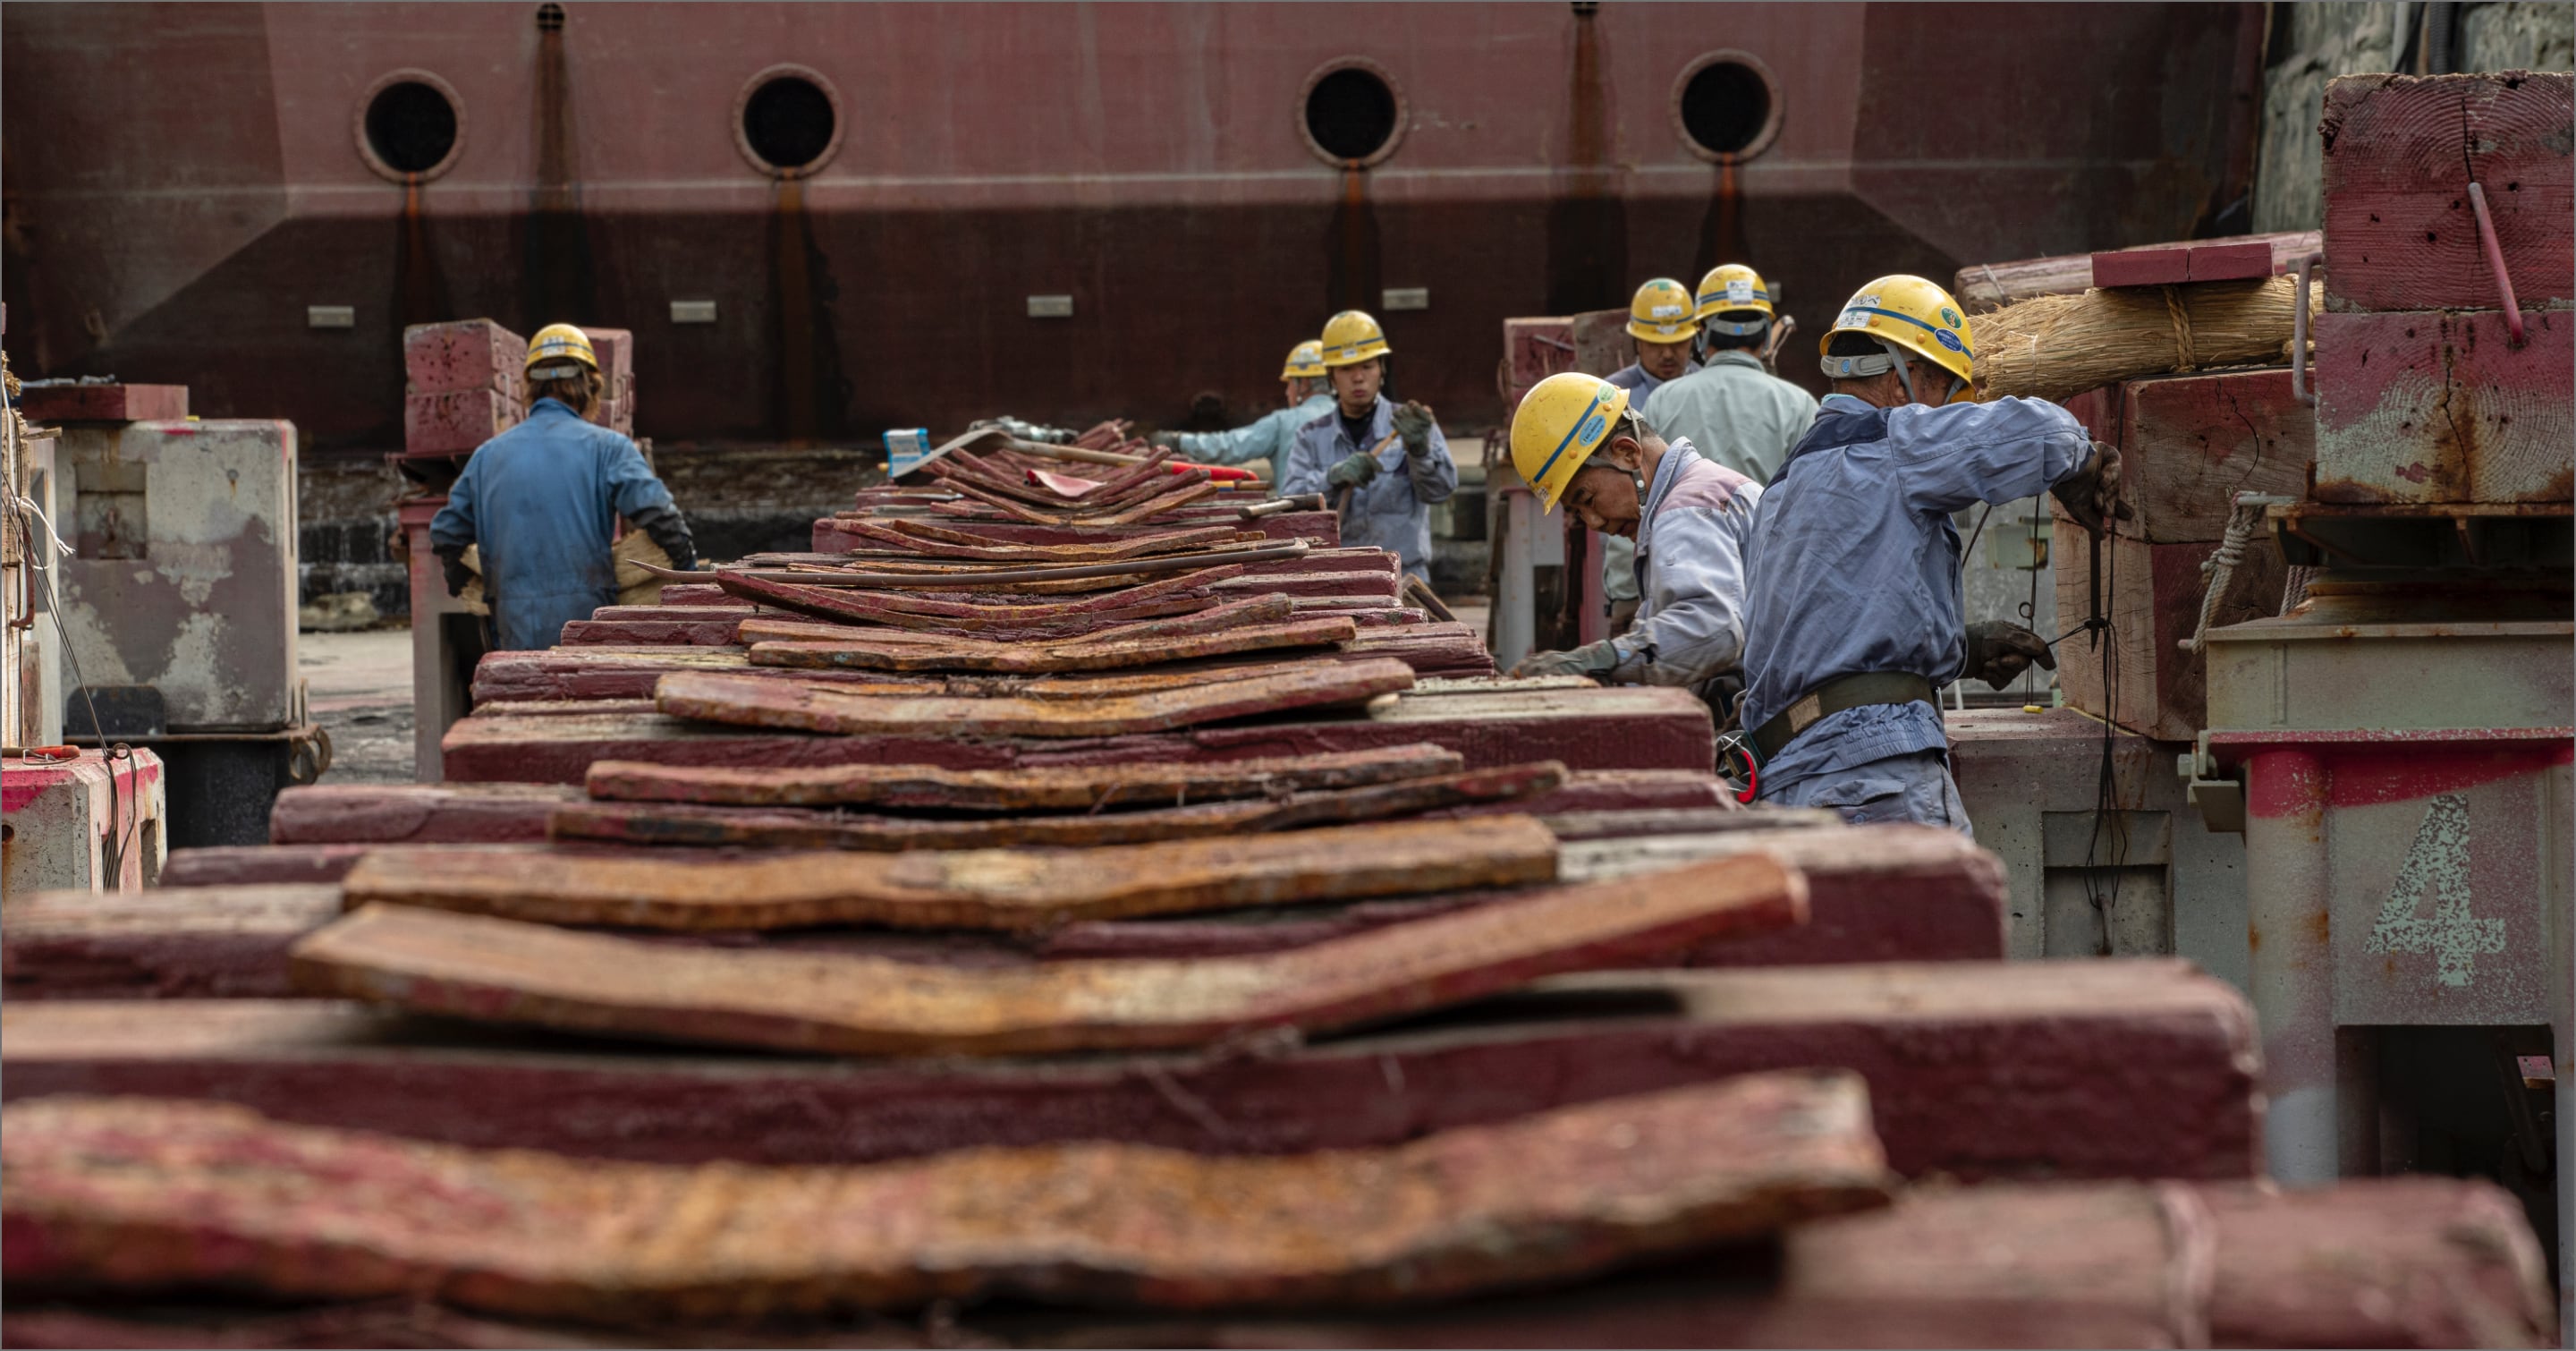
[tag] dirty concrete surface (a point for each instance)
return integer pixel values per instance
(359, 688)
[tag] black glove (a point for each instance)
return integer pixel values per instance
(451, 560)
(670, 530)
(1413, 423)
(1998, 652)
(1592, 659)
(1355, 470)
(2091, 495)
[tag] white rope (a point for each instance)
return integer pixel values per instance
(2219, 568)
(28, 505)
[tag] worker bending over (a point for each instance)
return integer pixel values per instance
(1659, 320)
(543, 498)
(1732, 407)
(1576, 439)
(1266, 441)
(1853, 617)
(1363, 443)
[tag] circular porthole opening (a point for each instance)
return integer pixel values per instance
(410, 127)
(789, 122)
(1728, 106)
(1352, 114)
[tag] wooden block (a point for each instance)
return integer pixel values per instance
(138, 1195)
(687, 824)
(1321, 528)
(1014, 790)
(2400, 153)
(2189, 443)
(1976, 1070)
(744, 702)
(615, 348)
(2231, 261)
(1985, 286)
(2151, 593)
(2165, 266)
(415, 813)
(450, 423)
(46, 405)
(1619, 728)
(976, 889)
(2441, 407)
(1182, 638)
(504, 970)
(467, 354)
(709, 626)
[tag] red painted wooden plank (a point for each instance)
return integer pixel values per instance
(2231, 261)
(1012, 790)
(1237, 628)
(2165, 266)
(141, 1195)
(966, 889)
(45, 405)
(2190, 443)
(1976, 1070)
(1320, 527)
(706, 628)
(2400, 153)
(510, 971)
(425, 813)
(2441, 407)
(586, 672)
(745, 702)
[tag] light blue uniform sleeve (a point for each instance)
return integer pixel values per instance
(1246, 444)
(1308, 458)
(632, 485)
(1956, 456)
(455, 525)
(1692, 614)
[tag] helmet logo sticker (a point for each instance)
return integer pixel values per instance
(1590, 429)
(1948, 339)
(1949, 316)
(1670, 311)
(1739, 289)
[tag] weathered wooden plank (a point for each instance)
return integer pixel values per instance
(607, 672)
(1322, 528)
(424, 813)
(1976, 1070)
(850, 604)
(137, 1195)
(2151, 593)
(475, 966)
(2441, 407)
(690, 626)
(791, 828)
(930, 541)
(1014, 790)
(209, 943)
(975, 889)
(820, 708)
(1241, 627)
(2190, 443)
(1986, 286)
(2400, 153)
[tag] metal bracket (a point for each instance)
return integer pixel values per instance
(2221, 799)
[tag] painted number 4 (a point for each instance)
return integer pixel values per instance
(2438, 862)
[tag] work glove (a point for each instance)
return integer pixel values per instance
(670, 530)
(1998, 652)
(2091, 495)
(1413, 423)
(1592, 659)
(1355, 470)
(1164, 440)
(451, 561)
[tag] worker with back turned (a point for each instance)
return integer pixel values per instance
(1576, 440)
(1660, 322)
(1732, 407)
(1853, 617)
(1392, 458)
(542, 500)
(1266, 440)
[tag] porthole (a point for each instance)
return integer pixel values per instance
(788, 121)
(1351, 114)
(410, 125)
(1726, 106)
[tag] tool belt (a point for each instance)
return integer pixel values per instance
(1842, 692)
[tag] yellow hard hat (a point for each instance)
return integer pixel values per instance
(1733, 288)
(1352, 337)
(1305, 362)
(1906, 312)
(560, 342)
(1661, 312)
(1561, 421)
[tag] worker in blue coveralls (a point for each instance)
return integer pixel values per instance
(1393, 459)
(542, 500)
(1853, 617)
(1266, 440)
(1577, 440)
(1659, 320)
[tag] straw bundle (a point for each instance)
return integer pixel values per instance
(2055, 347)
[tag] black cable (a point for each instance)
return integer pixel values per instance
(2107, 819)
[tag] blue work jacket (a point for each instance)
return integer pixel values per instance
(542, 500)
(1393, 512)
(1854, 564)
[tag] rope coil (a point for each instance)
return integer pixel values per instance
(2183, 358)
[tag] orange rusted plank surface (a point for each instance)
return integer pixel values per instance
(1148, 643)
(971, 889)
(787, 828)
(506, 970)
(750, 701)
(1084, 788)
(138, 1195)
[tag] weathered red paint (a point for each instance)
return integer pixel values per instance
(2442, 406)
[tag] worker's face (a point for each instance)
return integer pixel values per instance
(1603, 494)
(1355, 386)
(1664, 360)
